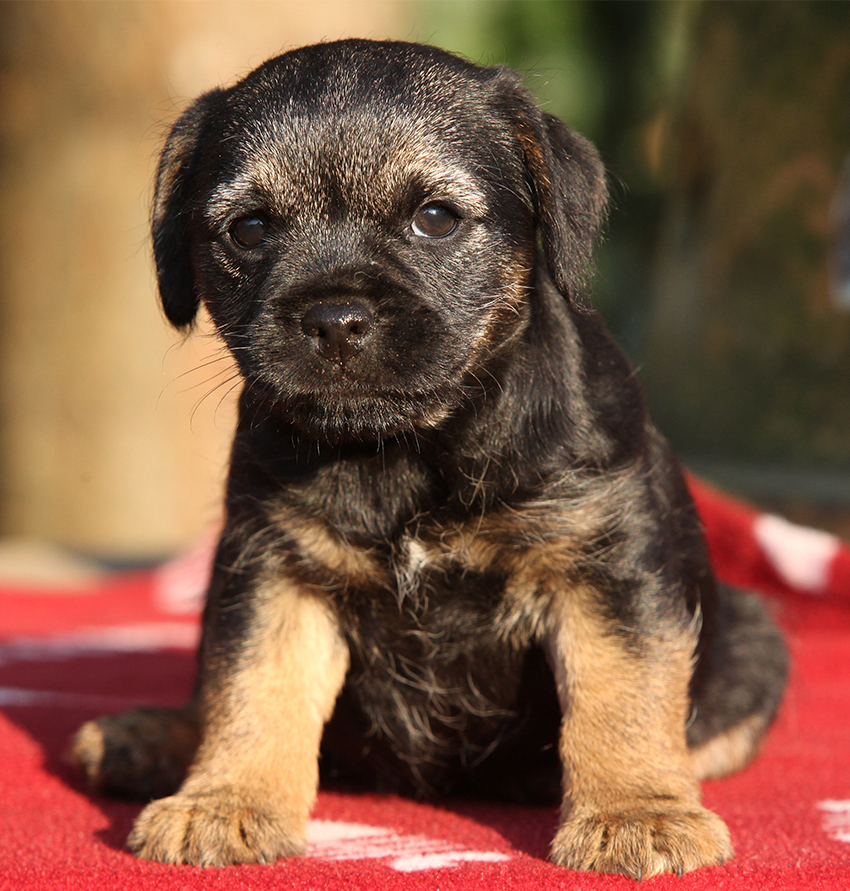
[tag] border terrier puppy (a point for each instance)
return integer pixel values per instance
(458, 557)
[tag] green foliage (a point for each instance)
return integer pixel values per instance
(547, 40)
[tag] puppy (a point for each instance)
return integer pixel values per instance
(458, 557)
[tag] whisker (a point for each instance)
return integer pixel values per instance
(234, 380)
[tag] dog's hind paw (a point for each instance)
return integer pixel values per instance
(215, 828)
(142, 754)
(642, 842)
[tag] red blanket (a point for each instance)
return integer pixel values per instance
(67, 657)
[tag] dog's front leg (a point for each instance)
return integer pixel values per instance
(273, 662)
(631, 802)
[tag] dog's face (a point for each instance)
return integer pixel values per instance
(361, 220)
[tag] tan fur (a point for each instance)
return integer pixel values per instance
(538, 546)
(520, 542)
(255, 778)
(320, 544)
(730, 751)
(631, 802)
(535, 550)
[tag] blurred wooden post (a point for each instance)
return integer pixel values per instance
(104, 445)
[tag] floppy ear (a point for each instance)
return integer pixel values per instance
(172, 211)
(568, 186)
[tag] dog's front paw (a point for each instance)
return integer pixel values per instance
(642, 841)
(215, 828)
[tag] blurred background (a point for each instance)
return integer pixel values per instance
(724, 272)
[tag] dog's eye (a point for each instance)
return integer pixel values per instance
(434, 221)
(248, 232)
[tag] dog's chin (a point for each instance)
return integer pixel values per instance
(365, 419)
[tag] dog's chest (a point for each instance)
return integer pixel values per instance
(426, 573)
(433, 609)
(435, 659)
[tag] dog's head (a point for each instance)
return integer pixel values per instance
(361, 220)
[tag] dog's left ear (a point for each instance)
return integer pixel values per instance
(567, 181)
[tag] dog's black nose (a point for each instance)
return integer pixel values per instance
(337, 331)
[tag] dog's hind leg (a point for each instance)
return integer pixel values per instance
(737, 685)
(141, 754)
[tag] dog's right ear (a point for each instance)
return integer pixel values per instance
(173, 208)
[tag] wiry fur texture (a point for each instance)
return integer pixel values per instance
(458, 557)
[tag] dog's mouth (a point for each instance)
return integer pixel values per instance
(355, 413)
(344, 400)
(345, 371)
(367, 417)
